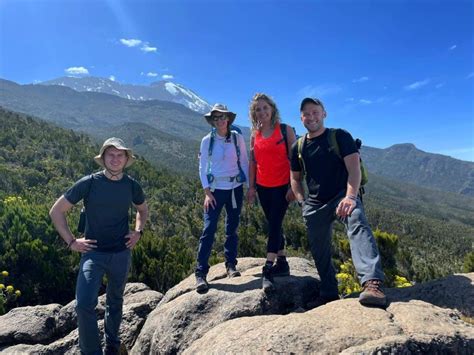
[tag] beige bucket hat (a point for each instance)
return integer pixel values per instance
(220, 108)
(119, 144)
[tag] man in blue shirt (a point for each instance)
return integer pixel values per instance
(107, 241)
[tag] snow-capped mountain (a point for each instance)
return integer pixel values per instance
(159, 90)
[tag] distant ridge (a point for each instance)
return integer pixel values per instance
(159, 90)
(102, 114)
(405, 162)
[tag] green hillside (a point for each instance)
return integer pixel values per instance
(38, 161)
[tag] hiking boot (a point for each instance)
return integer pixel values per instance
(320, 301)
(267, 278)
(111, 350)
(231, 270)
(281, 268)
(372, 294)
(201, 283)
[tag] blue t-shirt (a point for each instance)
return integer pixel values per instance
(107, 208)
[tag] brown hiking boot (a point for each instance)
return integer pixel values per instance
(372, 294)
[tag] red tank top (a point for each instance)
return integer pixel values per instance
(273, 166)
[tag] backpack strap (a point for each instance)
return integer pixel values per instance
(237, 148)
(284, 133)
(209, 152)
(300, 144)
(86, 197)
(332, 141)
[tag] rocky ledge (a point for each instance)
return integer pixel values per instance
(236, 316)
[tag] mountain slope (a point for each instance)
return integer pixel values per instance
(160, 90)
(404, 162)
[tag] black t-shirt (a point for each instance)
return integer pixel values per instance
(107, 208)
(326, 173)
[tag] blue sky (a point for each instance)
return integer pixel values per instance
(388, 71)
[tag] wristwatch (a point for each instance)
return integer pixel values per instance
(140, 231)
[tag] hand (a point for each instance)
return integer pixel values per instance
(83, 245)
(209, 201)
(133, 238)
(290, 196)
(251, 195)
(345, 207)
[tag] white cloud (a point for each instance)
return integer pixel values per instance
(470, 75)
(167, 77)
(152, 75)
(361, 79)
(147, 49)
(440, 85)
(130, 42)
(350, 99)
(77, 71)
(365, 102)
(452, 47)
(417, 84)
(112, 78)
(319, 90)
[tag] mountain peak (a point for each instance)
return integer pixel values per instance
(404, 146)
(159, 90)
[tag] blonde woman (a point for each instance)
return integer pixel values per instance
(269, 177)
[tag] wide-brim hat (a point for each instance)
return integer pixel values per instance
(118, 144)
(220, 108)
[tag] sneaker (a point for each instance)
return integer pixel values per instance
(267, 278)
(320, 301)
(231, 270)
(281, 268)
(201, 283)
(372, 294)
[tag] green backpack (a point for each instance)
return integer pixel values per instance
(334, 146)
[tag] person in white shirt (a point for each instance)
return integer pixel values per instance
(223, 169)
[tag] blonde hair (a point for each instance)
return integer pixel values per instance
(253, 105)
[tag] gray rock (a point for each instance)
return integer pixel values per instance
(183, 316)
(344, 327)
(139, 301)
(454, 292)
(30, 325)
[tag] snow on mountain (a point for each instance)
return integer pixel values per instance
(160, 90)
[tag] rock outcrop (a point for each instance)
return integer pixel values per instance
(52, 329)
(236, 316)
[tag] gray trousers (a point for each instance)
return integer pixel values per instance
(319, 220)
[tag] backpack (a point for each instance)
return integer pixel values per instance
(334, 146)
(241, 176)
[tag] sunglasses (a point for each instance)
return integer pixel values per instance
(219, 118)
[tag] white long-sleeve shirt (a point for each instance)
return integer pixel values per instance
(224, 161)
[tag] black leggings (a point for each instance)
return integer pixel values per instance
(274, 204)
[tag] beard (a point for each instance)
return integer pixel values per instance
(313, 127)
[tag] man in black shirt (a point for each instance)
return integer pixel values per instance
(107, 241)
(333, 183)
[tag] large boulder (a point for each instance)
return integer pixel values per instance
(344, 326)
(184, 316)
(30, 325)
(139, 301)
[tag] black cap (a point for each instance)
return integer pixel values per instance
(306, 100)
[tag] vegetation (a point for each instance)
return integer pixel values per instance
(8, 294)
(39, 161)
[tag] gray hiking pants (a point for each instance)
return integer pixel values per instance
(319, 220)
